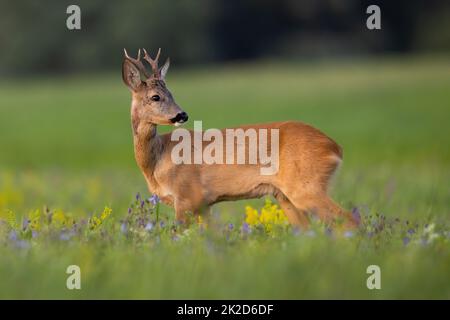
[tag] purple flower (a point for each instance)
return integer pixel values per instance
(148, 226)
(406, 240)
(348, 234)
(25, 223)
(245, 228)
(230, 226)
(161, 224)
(142, 204)
(123, 228)
(154, 199)
(138, 196)
(356, 215)
(13, 235)
(129, 210)
(411, 231)
(34, 233)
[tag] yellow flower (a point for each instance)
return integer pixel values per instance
(35, 220)
(10, 217)
(59, 218)
(251, 215)
(106, 213)
(95, 221)
(270, 216)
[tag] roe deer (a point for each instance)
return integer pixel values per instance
(307, 158)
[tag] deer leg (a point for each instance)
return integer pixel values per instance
(325, 208)
(182, 210)
(294, 216)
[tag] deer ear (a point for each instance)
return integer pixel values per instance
(131, 75)
(163, 70)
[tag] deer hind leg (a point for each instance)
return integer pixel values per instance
(294, 216)
(321, 205)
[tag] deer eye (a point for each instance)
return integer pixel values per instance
(155, 97)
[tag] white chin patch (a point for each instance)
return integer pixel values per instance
(177, 124)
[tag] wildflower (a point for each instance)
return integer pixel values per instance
(95, 222)
(154, 199)
(10, 217)
(138, 196)
(348, 234)
(13, 235)
(406, 240)
(65, 236)
(129, 210)
(59, 218)
(269, 216)
(148, 226)
(106, 213)
(245, 228)
(25, 223)
(123, 228)
(230, 226)
(35, 220)
(356, 215)
(296, 231)
(251, 215)
(142, 204)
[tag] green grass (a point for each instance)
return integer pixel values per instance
(65, 143)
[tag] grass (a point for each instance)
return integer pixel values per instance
(66, 144)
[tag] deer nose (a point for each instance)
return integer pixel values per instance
(183, 116)
(180, 117)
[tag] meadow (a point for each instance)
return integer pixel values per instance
(71, 193)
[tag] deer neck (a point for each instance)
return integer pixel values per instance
(148, 145)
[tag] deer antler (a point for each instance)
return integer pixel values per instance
(153, 62)
(138, 63)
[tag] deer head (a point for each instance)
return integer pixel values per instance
(152, 101)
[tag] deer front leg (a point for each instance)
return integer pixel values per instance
(188, 201)
(181, 212)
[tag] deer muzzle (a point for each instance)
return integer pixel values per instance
(181, 117)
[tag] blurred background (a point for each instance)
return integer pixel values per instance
(34, 39)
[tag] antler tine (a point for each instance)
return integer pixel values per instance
(137, 62)
(153, 62)
(157, 55)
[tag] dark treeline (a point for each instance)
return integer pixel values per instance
(34, 37)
